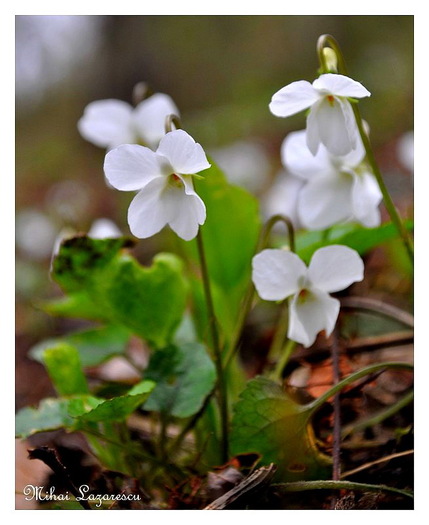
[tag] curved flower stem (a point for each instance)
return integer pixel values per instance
(172, 120)
(282, 362)
(217, 352)
(370, 157)
(317, 403)
(250, 292)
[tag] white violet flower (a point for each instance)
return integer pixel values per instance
(337, 189)
(163, 179)
(331, 120)
(278, 274)
(110, 123)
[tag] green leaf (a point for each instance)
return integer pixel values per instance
(94, 346)
(76, 304)
(115, 409)
(149, 301)
(355, 236)
(76, 412)
(184, 375)
(231, 229)
(51, 414)
(267, 421)
(65, 370)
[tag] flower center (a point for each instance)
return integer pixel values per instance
(331, 99)
(175, 180)
(302, 295)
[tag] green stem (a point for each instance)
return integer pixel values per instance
(280, 333)
(380, 416)
(388, 202)
(300, 486)
(317, 403)
(250, 292)
(217, 352)
(283, 361)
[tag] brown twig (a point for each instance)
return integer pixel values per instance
(378, 307)
(336, 445)
(50, 458)
(376, 462)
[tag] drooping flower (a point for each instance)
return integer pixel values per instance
(278, 274)
(337, 189)
(331, 120)
(110, 123)
(282, 198)
(164, 183)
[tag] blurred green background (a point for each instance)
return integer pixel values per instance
(220, 70)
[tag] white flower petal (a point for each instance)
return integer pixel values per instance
(366, 196)
(298, 159)
(357, 155)
(189, 213)
(334, 268)
(282, 198)
(277, 274)
(336, 127)
(341, 85)
(147, 213)
(107, 123)
(150, 115)
(129, 167)
(326, 201)
(184, 154)
(312, 135)
(293, 98)
(310, 312)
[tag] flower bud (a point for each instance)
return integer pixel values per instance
(331, 60)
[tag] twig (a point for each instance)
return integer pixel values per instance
(378, 307)
(336, 405)
(255, 482)
(375, 462)
(50, 458)
(336, 466)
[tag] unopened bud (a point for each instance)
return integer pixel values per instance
(330, 58)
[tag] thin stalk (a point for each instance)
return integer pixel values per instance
(376, 462)
(283, 361)
(370, 157)
(378, 307)
(380, 416)
(217, 352)
(317, 403)
(300, 486)
(280, 333)
(388, 202)
(250, 292)
(336, 432)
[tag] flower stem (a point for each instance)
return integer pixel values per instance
(283, 361)
(317, 403)
(388, 202)
(217, 352)
(250, 292)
